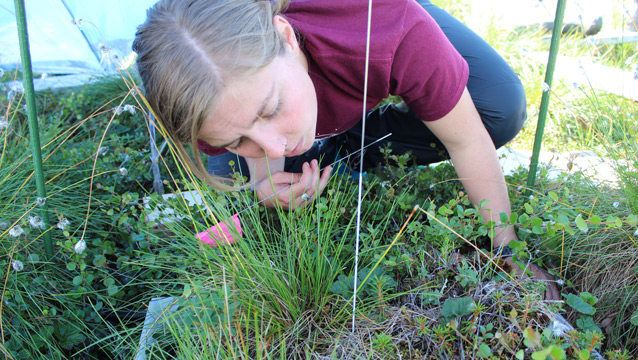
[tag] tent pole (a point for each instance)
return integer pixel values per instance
(547, 90)
(27, 78)
(93, 49)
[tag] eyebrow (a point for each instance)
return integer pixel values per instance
(260, 113)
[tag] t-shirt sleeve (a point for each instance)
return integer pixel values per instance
(427, 71)
(209, 150)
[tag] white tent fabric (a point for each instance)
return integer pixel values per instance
(72, 36)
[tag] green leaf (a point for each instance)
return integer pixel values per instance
(588, 297)
(484, 351)
(614, 221)
(457, 307)
(113, 289)
(71, 266)
(541, 355)
(537, 229)
(529, 209)
(503, 217)
(68, 336)
(581, 223)
(583, 354)
(77, 280)
(520, 354)
(553, 195)
(513, 218)
(632, 219)
(587, 324)
(562, 219)
(187, 290)
(578, 304)
(634, 318)
(595, 220)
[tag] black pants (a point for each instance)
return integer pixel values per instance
(496, 90)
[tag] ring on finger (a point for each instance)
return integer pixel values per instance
(305, 197)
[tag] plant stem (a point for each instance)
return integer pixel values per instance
(29, 91)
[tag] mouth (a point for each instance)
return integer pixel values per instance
(297, 150)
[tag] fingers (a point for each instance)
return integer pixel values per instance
(540, 274)
(293, 190)
(311, 183)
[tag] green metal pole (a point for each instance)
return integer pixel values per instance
(547, 90)
(29, 92)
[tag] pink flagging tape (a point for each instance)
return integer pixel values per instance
(220, 234)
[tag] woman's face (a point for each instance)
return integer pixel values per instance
(270, 113)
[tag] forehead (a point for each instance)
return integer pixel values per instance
(238, 105)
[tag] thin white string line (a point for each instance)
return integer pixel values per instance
(363, 136)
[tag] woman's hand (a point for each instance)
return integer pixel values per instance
(539, 274)
(287, 189)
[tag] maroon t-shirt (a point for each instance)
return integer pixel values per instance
(409, 56)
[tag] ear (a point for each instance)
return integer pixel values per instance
(287, 33)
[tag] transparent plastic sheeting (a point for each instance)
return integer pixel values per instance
(72, 36)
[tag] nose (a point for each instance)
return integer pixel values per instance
(274, 145)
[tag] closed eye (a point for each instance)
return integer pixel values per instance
(275, 111)
(236, 146)
(268, 116)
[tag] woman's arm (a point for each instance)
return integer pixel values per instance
(474, 157)
(475, 160)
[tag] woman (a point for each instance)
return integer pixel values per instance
(244, 80)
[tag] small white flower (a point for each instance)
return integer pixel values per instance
(79, 247)
(4, 225)
(559, 328)
(385, 184)
(44, 75)
(123, 171)
(616, 204)
(16, 231)
(3, 124)
(15, 90)
(636, 233)
(531, 197)
(560, 282)
(130, 108)
(576, 85)
(545, 87)
(63, 223)
(1, 72)
(17, 265)
(103, 150)
(40, 201)
(109, 56)
(36, 222)
(431, 186)
(519, 188)
(126, 108)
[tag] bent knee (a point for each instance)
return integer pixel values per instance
(503, 109)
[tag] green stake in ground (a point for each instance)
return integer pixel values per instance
(547, 90)
(27, 78)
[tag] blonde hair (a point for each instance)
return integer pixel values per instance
(187, 50)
